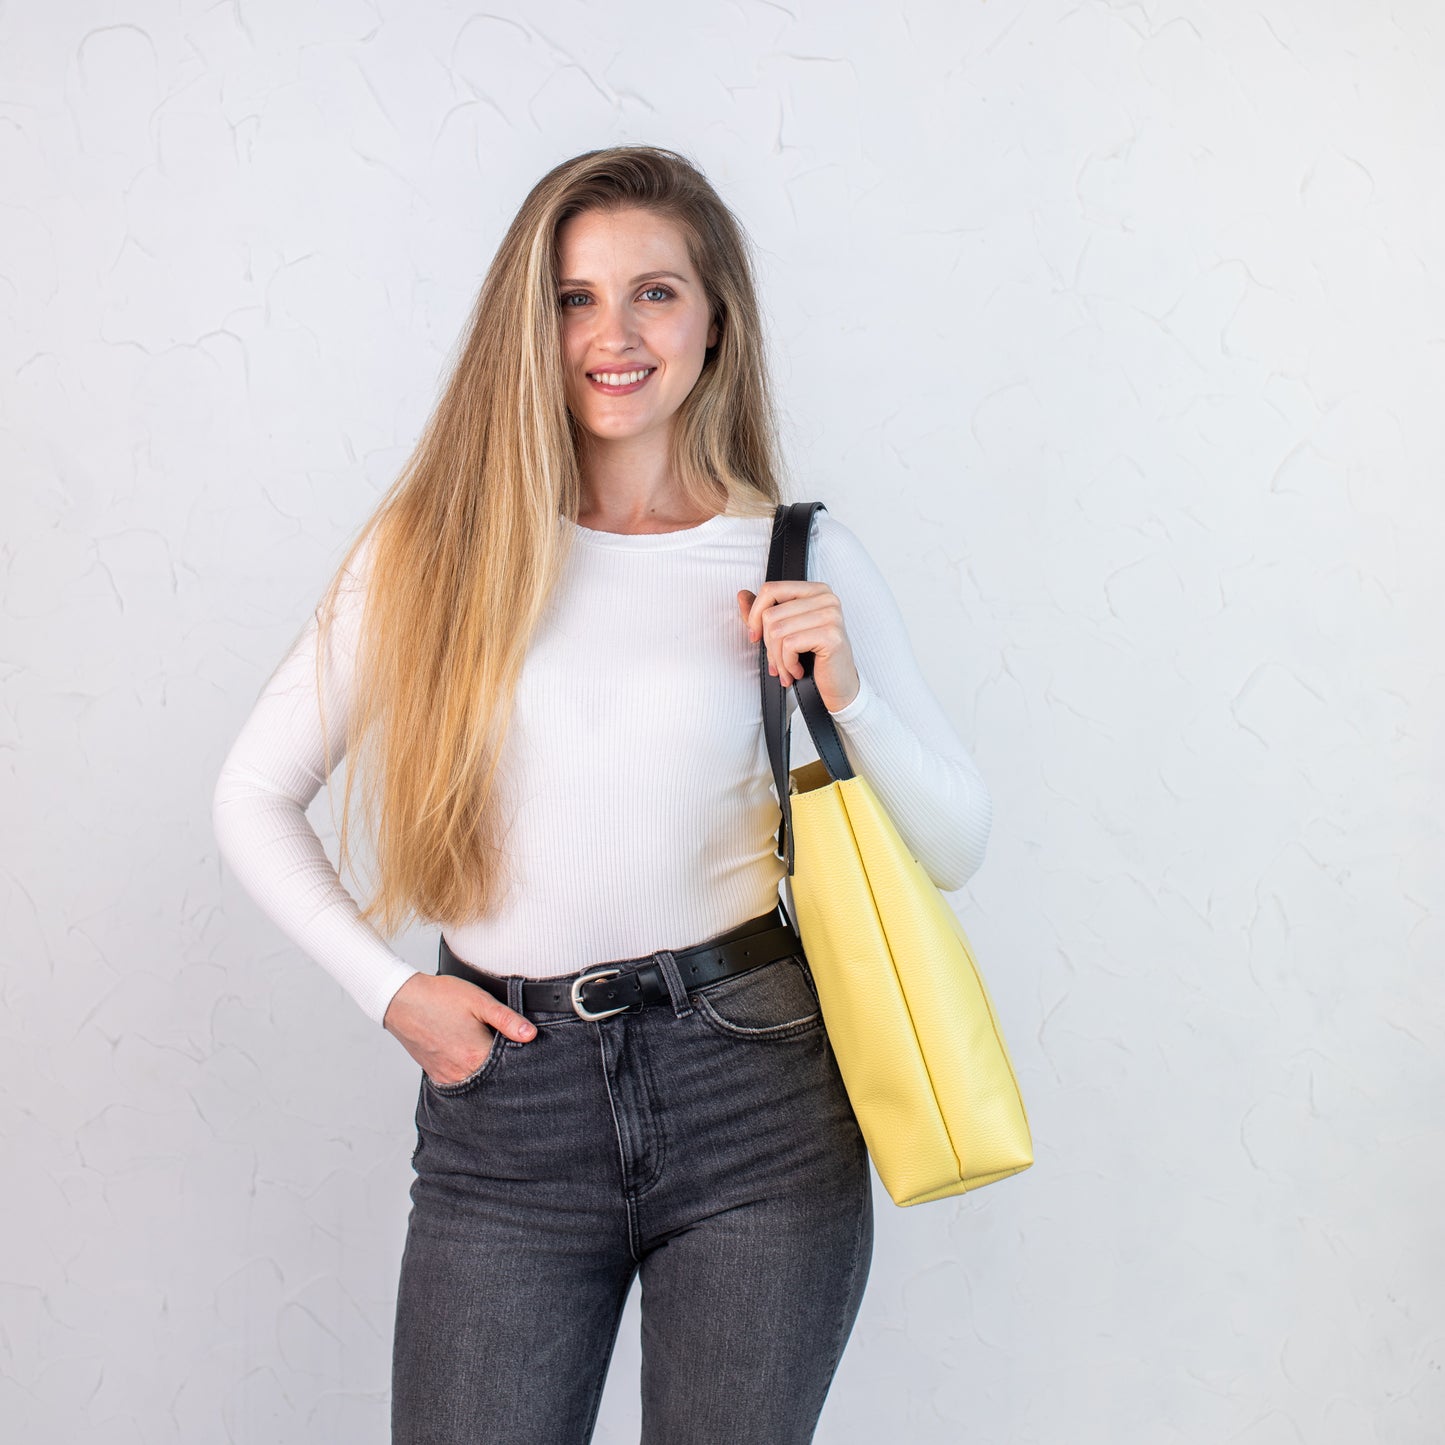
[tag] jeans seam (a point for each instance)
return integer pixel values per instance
(655, 1117)
(632, 1230)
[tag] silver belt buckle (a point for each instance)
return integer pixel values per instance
(577, 1005)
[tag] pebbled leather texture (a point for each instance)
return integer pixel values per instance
(908, 1015)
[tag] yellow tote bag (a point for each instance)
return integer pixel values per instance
(907, 1014)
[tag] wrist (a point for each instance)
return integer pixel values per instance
(845, 711)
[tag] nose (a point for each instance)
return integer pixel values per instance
(616, 328)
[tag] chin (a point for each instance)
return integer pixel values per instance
(617, 430)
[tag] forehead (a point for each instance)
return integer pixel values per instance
(617, 245)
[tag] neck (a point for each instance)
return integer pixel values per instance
(629, 484)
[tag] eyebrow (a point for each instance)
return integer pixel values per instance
(646, 276)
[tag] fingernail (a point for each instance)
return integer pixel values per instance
(526, 1030)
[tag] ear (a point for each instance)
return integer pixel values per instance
(712, 335)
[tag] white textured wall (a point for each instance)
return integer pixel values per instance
(1118, 332)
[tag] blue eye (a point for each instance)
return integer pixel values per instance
(574, 295)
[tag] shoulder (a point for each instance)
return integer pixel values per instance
(341, 606)
(356, 572)
(831, 531)
(837, 554)
(351, 582)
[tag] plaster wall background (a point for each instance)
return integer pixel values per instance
(1117, 330)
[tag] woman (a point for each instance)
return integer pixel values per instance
(546, 641)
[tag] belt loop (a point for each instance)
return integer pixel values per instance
(514, 992)
(676, 989)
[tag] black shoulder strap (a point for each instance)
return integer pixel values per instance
(788, 561)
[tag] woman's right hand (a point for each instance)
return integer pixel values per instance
(446, 1024)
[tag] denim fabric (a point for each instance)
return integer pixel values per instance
(707, 1143)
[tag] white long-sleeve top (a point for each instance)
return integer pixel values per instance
(641, 804)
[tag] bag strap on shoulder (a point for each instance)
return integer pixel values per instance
(788, 561)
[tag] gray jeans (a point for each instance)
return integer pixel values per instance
(707, 1144)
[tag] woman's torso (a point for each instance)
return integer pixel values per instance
(636, 789)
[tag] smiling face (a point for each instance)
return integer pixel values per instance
(635, 322)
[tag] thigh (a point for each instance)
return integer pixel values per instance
(764, 1224)
(516, 1265)
(745, 1317)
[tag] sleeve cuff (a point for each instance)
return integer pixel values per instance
(860, 701)
(376, 998)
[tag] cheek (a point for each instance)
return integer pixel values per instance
(573, 344)
(687, 341)
(573, 354)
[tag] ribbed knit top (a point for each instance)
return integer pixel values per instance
(641, 805)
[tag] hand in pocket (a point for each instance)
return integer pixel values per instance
(447, 1025)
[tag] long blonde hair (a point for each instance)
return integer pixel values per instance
(465, 547)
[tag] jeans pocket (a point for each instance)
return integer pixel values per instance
(773, 1001)
(483, 1070)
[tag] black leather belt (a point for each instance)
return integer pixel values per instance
(633, 983)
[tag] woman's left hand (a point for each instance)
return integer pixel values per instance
(797, 617)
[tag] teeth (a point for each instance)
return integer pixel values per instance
(619, 378)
